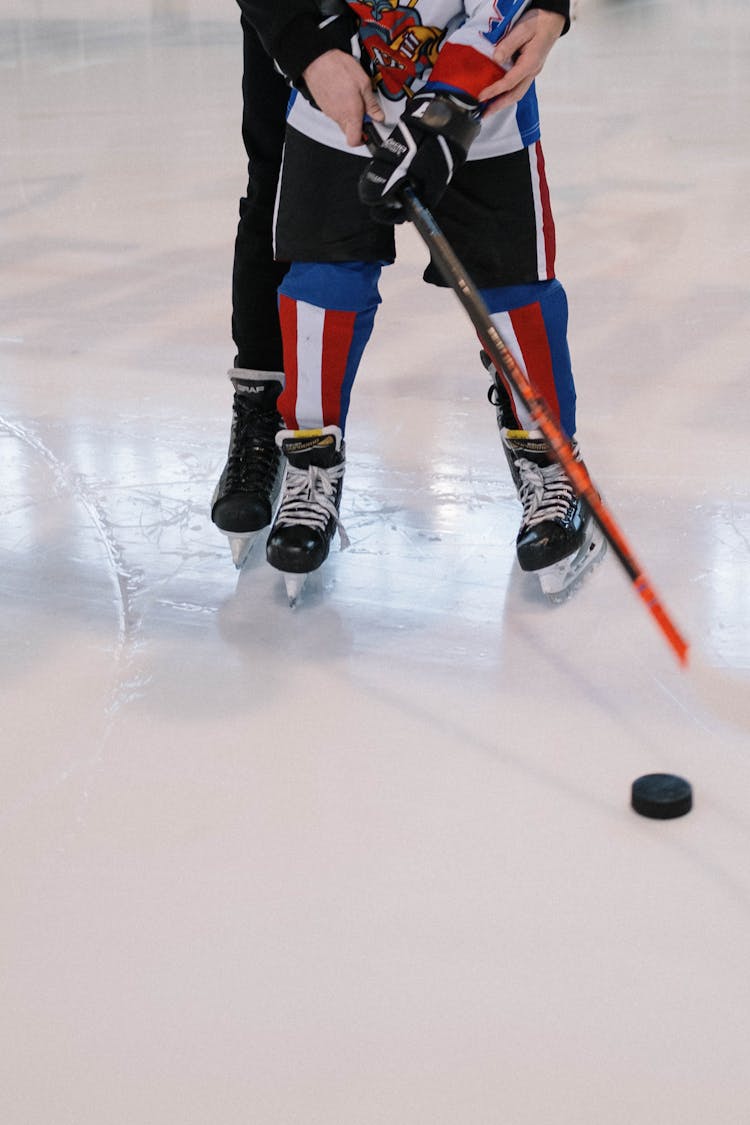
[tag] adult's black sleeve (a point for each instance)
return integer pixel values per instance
(562, 7)
(289, 31)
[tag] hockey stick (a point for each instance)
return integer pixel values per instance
(456, 277)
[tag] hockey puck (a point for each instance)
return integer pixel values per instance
(661, 796)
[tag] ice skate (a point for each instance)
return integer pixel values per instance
(308, 514)
(244, 498)
(558, 539)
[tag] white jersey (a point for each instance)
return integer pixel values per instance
(435, 45)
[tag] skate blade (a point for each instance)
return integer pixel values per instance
(241, 546)
(561, 581)
(294, 585)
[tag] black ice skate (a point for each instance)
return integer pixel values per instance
(308, 515)
(558, 539)
(243, 501)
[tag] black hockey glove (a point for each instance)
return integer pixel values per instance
(429, 143)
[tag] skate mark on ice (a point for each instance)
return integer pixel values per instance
(124, 581)
(127, 685)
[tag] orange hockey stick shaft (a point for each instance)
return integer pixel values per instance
(455, 275)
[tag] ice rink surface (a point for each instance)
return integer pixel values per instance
(369, 862)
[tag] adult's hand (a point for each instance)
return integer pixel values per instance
(342, 90)
(522, 53)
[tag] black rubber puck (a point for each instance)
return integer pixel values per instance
(662, 796)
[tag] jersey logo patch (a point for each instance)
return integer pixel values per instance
(401, 48)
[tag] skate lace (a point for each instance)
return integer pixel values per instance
(310, 498)
(253, 455)
(544, 491)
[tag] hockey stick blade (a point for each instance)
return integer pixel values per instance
(457, 278)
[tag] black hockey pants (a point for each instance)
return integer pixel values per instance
(256, 276)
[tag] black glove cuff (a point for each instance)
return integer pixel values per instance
(455, 119)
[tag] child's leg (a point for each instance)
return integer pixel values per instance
(497, 216)
(533, 321)
(327, 312)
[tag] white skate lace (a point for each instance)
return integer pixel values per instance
(545, 492)
(309, 499)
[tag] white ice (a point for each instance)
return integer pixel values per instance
(372, 860)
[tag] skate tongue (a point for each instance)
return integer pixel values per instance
(304, 448)
(529, 444)
(262, 393)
